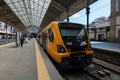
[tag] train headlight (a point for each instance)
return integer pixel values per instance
(60, 49)
(83, 43)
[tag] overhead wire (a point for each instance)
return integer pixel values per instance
(97, 9)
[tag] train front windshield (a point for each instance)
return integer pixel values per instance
(72, 32)
(73, 36)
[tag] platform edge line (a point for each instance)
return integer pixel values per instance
(41, 68)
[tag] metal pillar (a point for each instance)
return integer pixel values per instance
(67, 15)
(11, 32)
(95, 33)
(87, 13)
(18, 38)
(6, 31)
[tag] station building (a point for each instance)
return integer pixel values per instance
(100, 30)
(115, 21)
(9, 34)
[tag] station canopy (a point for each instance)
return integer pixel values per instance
(24, 13)
(30, 12)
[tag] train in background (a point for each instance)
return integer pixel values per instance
(8, 35)
(67, 42)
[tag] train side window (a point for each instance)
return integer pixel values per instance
(51, 35)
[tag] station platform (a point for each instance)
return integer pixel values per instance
(107, 51)
(26, 63)
(115, 47)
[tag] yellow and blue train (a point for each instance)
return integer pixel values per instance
(67, 42)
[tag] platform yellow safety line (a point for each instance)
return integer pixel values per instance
(41, 68)
(7, 44)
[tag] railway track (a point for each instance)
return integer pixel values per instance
(93, 72)
(102, 73)
(107, 55)
(76, 74)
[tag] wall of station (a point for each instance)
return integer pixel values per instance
(115, 21)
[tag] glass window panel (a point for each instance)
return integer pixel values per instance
(14, 0)
(37, 19)
(32, 19)
(7, 1)
(23, 22)
(40, 8)
(27, 22)
(32, 6)
(46, 5)
(21, 3)
(42, 16)
(19, 9)
(37, 13)
(23, 10)
(25, 16)
(36, 0)
(28, 10)
(11, 6)
(32, 9)
(20, 18)
(36, 6)
(26, 2)
(33, 23)
(41, 3)
(34, 13)
(44, 10)
(32, 0)
(48, 1)
(14, 10)
(20, 12)
(16, 4)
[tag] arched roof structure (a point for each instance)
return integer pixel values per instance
(23, 13)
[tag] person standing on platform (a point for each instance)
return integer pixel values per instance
(21, 41)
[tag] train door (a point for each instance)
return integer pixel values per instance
(44, 40)
(51, 35)
(51, 44)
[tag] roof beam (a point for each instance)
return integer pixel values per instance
(58, 6)
(75, 7)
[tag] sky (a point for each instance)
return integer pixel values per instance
(98, 9)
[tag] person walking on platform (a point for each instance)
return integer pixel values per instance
(21, 41)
